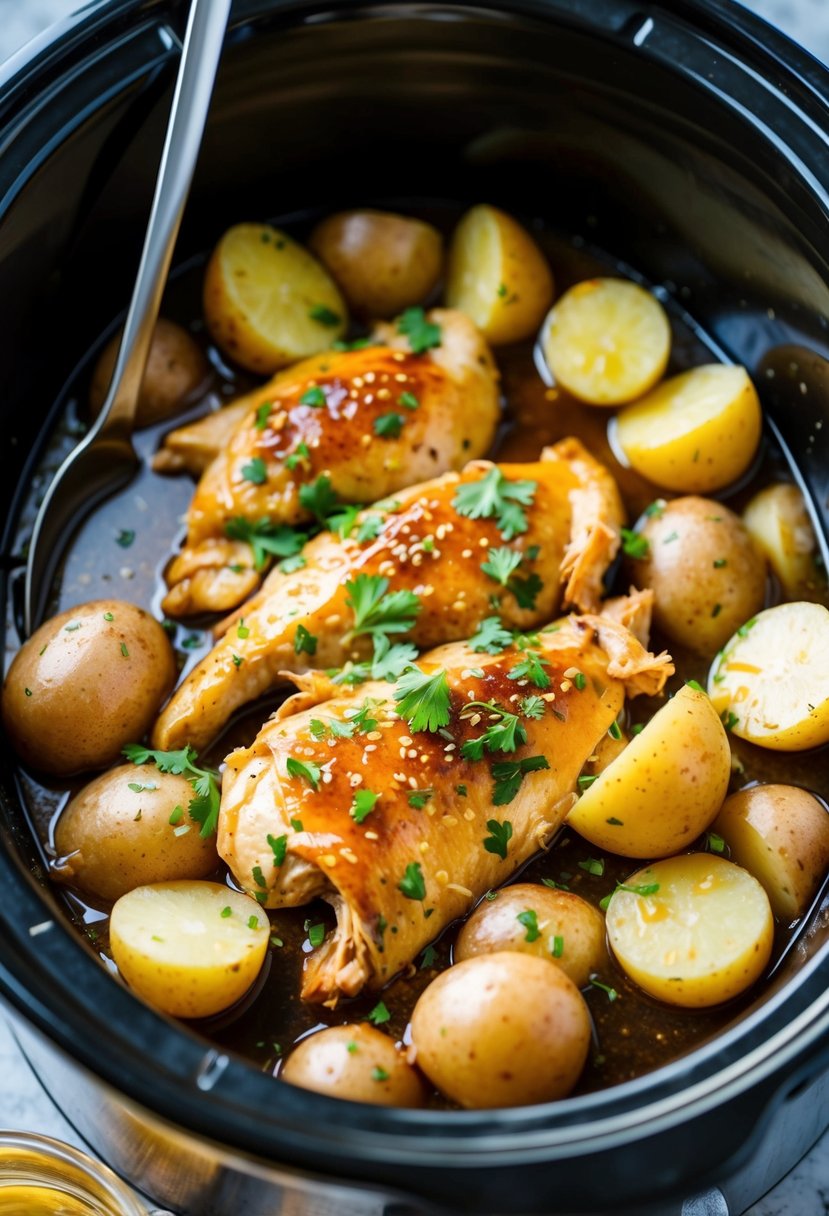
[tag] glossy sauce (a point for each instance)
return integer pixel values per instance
(122, 550)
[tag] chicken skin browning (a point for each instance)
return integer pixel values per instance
(371, 421)
(423, 544)
(402, 826)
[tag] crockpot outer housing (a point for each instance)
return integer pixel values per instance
(689, 140)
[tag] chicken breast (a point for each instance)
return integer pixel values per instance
(402, 823)
(370, 421)
(435, 543)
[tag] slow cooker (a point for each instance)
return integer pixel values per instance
(685, 137)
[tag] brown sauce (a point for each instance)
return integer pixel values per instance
(121, 552)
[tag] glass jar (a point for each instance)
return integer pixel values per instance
(43, 1177)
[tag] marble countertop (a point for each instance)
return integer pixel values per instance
(23, 1104)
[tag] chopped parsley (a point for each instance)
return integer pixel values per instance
(635, 545)
(379, 1014)
(318, 498)
(495, 497)
(313, 396)
(324, 315)
(263, 413)
(203, 807)
(499, 837)
(370, 527)
(643, 889)
(304, 642)
(505, 735)
(490, 637)
(362, 805)
(531, 668)
(125, 538)
(265, 538)
(557, 945)
(333, 726)
(413, 884)
(509, 774)
(532, 707)
(309, 771)
(378, 611)
(389, 426)
(279, 848)
(300, 455)
(419, 798)
(242, 630)
(422, 334)
(408, 401)
(316, 934)
(255, 471)
(379, 1074)
(529, 920)
(501, 564)
(423, 701)
(429, 956)
(593, 865)
(714, 842)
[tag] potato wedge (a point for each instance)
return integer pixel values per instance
(665, 788)
(770, 683)
(177, 372)
(780, 527)
(780, 834)
(267, 301)
(607, 341)
(695, 433)
(355, 1062)
(498, 275)
(189, 948)
(554, 925)
(382, 262)
(694, 930)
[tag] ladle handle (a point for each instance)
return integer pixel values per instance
(206, 25)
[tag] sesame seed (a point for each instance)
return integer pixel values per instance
(358, 381)
(424, 846)
(369, 377)
(449, 820)
(484, 543)
(442, 877)
(365, 440)
(370, 747)
(469, 814)
(417, 559)
(374, 735)
(372, 836)
(355, 779)
(466, 553)
(424, 759)
(412, 782)
(327, 778)
(398, 356)
(333, 620)
(401, 377)
(571, 672)
(328, 859)
(383, 394)
(349, 856)
(405, 741)
(450, 747)
(369, 397)
(400, 777)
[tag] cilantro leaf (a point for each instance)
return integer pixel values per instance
(491, 637)
(495, 497)
(422, 334)
(304, 642)
(306, 769)
(502, 736)
(204, 805)
(263, 413)
(379, 1014)
(370, 527)
(413, 884)
(526, 589)
(532, 707)
(509, 774)
(501, 564)
(376, 610)
(389, 426)
(342, 522)
(265, 538)
(423, 701)
(499, 837)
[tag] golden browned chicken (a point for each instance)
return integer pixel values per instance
(367, 421)
(401, 804)
(511, 540)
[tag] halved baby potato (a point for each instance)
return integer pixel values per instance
(382, 262)
(498, 275)
(665, 788)
(695, 433)
(607, 341)
(780, 527)
(189, 948)
(555, 925)
(694, 930)
(355, 1062)
(770, 683)
(267, 301)
(780, 834)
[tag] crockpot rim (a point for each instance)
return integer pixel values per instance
(300, 1103)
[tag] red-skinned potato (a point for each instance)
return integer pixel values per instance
(130, 827)
(355, 1062)
(85, 683)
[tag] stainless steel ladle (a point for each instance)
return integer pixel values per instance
(105, 457)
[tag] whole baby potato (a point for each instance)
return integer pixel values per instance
(706, 574)
(780, 834)
(176, 369)
(382, 262)
(85, 683)
(130, 827)
(502, 1029)
(554, 925)
(355, 1062)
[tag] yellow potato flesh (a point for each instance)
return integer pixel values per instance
(268, 301)
(665, 788)
(695, 433)
(770, 683)
(704, 936)
(779, 525)
(780, 834)
(607, 341)
(179, 949)
(498, 276)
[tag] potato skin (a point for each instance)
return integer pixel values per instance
(356, 1062)
(502, 1029)
(176, 370)
(382, 262)
(780, 834)
(115, 838)
(707, 577)
(85, 683)
(494, 926)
